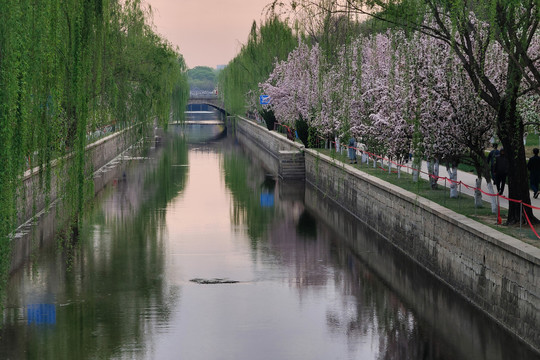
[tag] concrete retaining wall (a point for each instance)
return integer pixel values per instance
(497, 273)
(98, 154)
(281, 156)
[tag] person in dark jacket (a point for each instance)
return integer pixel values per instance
(352, 151)
(534, 171)
(501, 171)
(493, 154)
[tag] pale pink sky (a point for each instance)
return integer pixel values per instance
(207, 32)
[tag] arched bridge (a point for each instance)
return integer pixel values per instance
(203, 123)
(210, 99)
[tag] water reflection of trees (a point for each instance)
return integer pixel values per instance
(246, 183)
(115, 291)
(364, 308)
(378, 311)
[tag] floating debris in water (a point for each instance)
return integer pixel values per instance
(213, 281)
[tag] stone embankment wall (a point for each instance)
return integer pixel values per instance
(98, 154)
(497, 273)
(281, 156)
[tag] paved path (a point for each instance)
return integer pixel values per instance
(469, 178)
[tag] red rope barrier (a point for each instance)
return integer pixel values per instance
(513, 200)
(386, 170)
(499, 219)
(531, 206)
(290, 131)
(530, 224)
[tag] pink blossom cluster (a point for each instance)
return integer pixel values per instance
(293, 85)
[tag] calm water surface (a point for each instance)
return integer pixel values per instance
(197, 253)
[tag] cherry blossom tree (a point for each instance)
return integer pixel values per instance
(293, 85)
(455, 121)
(396, 93)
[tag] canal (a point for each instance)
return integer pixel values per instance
(195, 252)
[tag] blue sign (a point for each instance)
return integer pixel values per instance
(267, 199)
(264, 99)
(41, 314)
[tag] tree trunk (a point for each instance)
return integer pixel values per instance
(483, 170)
(492, 199)
(452, 175)
(417, 164)
(478, 193)
(433, 171)
(510, 131)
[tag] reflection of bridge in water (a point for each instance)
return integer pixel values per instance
(204, 110)
(204, 120)
(200, 131)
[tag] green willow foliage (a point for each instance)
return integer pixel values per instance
(246, 187)
(270, 43)
(68, 68)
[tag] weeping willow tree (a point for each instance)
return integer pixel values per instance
(266, 44)
(66, 69)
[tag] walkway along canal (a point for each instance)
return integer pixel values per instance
(199, 252)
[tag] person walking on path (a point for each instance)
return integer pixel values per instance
(534, 172)
(501, 171)
(493, 154)
(352, 151)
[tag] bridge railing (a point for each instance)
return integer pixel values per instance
(210, 99)
(203, 97)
